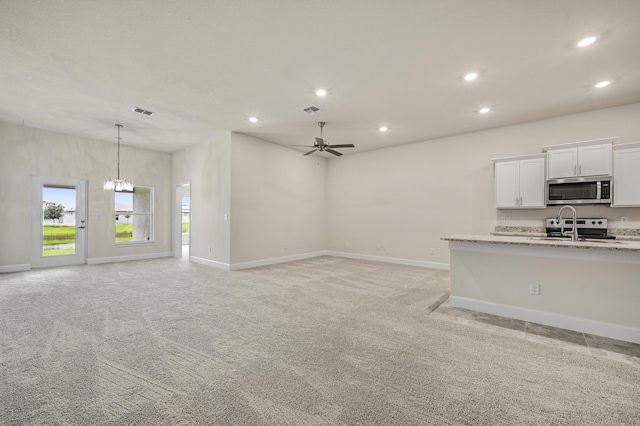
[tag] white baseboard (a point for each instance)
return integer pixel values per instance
(207, 262)
(15, 268)
(399, 261)
(283, 259)
(274, 260)
(99, 260)
(613, 331)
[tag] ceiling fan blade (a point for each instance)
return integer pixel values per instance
(310, 152)
(332, 151)
(306, 146)
(346, 145)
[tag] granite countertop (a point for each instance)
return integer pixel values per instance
(530, 231)
(619, 245)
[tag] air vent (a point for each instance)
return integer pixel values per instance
(312, 110)
(143, 111)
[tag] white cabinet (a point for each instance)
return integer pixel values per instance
(626, 175)
(589, 158)
(520, 182)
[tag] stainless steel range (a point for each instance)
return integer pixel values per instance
(587, 228)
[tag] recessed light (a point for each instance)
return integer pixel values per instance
(586, 42)
(321, 92)
(471, 76)
(383, 129)
(603, 84)
(253, 119)
(484, 110)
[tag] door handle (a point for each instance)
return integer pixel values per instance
(81, 227)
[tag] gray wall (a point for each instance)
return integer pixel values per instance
(401, 199)
(278, 201)
(26, 151)
(207, 166)
(408, 197)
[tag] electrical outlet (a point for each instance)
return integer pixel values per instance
(384, 247)
(432, 251)
(346, 244)
(209, 248)
(624, 219)
(503, 219)
(534, 289)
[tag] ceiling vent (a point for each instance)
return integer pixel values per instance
(143, 111)
(312, 110)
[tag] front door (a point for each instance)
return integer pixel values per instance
(58, 221)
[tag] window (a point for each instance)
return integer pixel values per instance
(134, 216)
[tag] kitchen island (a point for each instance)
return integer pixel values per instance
(590, 287)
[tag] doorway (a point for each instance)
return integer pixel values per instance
(182, 214)
(58, 221)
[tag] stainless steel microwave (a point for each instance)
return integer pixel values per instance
(579, 190)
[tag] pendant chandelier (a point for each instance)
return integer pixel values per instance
(118, 184)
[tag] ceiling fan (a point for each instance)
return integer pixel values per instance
(322, 145)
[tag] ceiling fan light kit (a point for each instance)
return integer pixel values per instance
(323, 146)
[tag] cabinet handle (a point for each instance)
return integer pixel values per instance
(580, 169)
(575, 171)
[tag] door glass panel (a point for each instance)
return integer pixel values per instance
(58, 221)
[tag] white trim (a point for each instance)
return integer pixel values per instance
(283, 259)
(15, 268)
(274, 260)
(615, 254)
(582, 325)
(581, 143)
(399, 261)
(627, 145)
(133, 243)
(207, 262)
(519, 157)
(113, 259)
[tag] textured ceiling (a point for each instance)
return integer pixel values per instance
(205, 66)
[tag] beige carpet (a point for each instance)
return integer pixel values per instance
(325, 341)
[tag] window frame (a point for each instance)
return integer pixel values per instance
(151, 215)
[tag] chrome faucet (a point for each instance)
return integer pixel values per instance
(574, 229)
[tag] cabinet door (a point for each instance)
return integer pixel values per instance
(594, 160)
(532, 183)
(562, 163)
(507, 184)
(626, 177)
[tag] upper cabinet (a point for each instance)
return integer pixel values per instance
(626, 175)
(520, 182)
(588, 158)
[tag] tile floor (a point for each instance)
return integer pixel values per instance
(571, 340)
